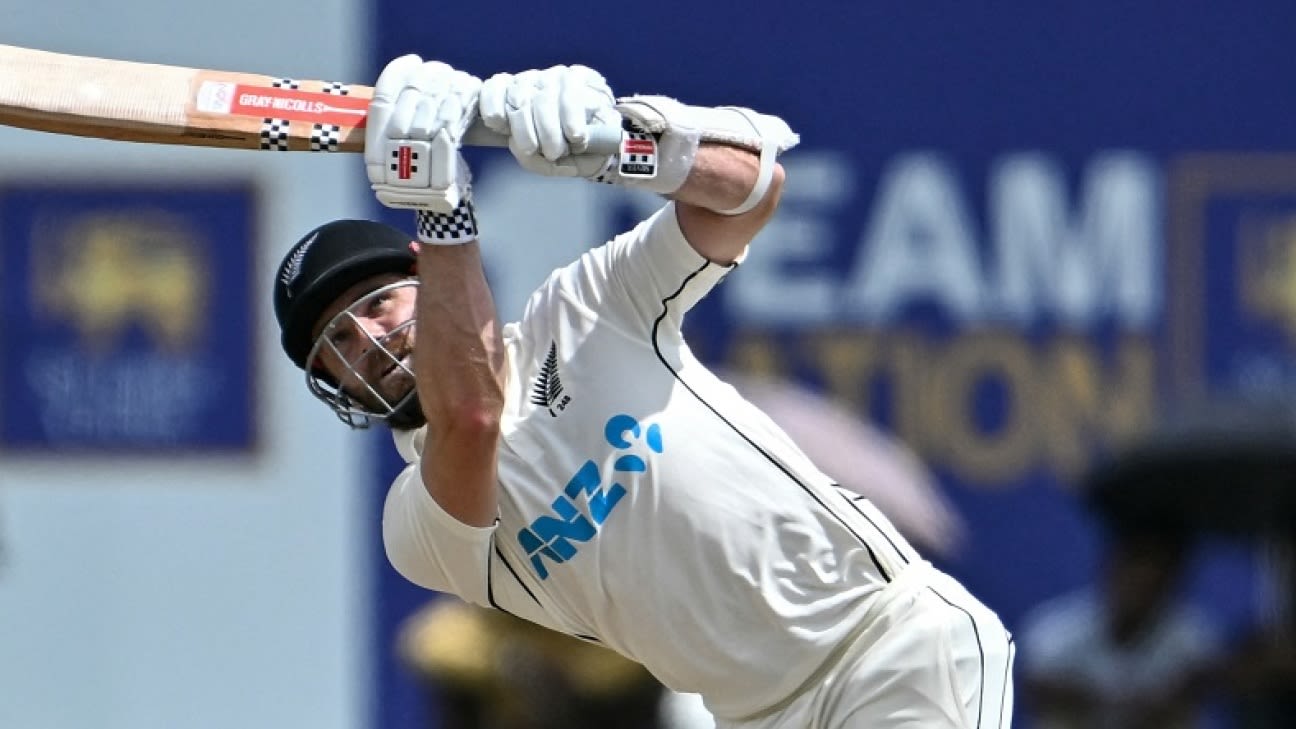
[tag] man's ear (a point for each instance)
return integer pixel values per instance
(414, 248)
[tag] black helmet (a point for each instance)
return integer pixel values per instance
(326, 262)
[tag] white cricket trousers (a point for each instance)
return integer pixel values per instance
(930, 656)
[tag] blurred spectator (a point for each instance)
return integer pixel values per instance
(485, 669)
(1261, 672)
(1125, 653)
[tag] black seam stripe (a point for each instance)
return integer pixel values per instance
(980, 650)
(873, 556)
(852, 500)
(1003, 692)
(490, 593)
(513, 572)
(876, 563)
(490, 582)
(661, 358)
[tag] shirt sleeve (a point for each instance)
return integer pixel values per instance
(646, 277)
(429, 547)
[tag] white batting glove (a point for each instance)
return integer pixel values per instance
(417, 119)
(547, 115)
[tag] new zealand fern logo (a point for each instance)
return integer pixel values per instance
(548, 390)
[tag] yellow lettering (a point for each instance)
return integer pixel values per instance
(756, 354)
(1091, 405)
(989, 455)
(987, 406)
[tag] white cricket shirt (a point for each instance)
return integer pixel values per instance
(643, 503)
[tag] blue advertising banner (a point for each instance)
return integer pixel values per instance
(1013, 235)
(1232, 221)
(128, 315)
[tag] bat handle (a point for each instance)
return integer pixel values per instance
(604, 139)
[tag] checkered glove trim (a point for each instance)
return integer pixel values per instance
(454, 228)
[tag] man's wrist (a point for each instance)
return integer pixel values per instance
(457, 227)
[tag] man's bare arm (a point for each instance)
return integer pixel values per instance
(459, 369)
(721, 179)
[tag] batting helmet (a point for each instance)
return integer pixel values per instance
(326, 262)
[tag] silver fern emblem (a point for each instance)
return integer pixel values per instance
(548, 390)
(292, 267)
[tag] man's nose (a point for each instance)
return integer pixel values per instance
(368, 331)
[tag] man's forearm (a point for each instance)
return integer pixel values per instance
(459, 367)
(459, 358)
(722, 177)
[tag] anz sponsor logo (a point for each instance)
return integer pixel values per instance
(555, 537)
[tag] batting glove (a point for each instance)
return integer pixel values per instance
(547, 116)
(417, 120)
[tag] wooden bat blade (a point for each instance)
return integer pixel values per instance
(143, 102)
(153, 103)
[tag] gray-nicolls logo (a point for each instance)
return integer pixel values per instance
(548, 390)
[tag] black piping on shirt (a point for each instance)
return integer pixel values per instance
(773, 461)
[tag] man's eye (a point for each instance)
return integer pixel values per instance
(379, 302)
(340, 337)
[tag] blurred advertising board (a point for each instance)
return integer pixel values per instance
(127, 317)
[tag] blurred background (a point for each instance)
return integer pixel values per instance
(1034, 271)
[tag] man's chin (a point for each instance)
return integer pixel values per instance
(408, 415)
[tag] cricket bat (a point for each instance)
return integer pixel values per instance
(160, 104)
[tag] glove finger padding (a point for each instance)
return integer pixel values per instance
(388, 86)
(524, 138)
(413, 117)
(412, 149)
(450, 117)
(585, 95)
(547, 118)
(491, 103)
(465, 101)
